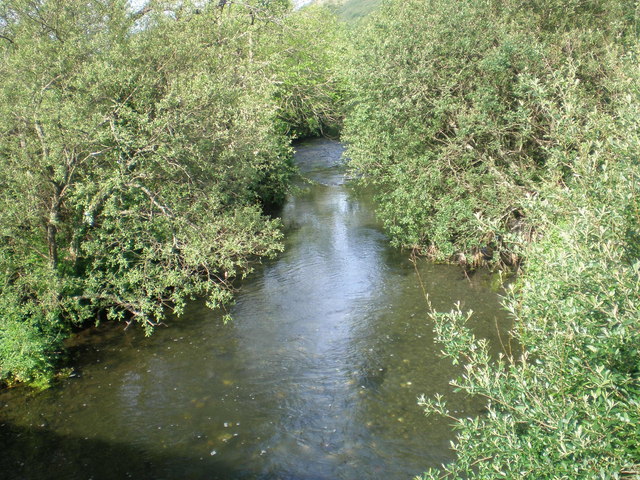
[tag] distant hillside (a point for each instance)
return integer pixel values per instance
(348, 9)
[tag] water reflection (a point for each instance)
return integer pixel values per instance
(316, 378)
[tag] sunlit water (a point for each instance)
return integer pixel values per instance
(316, 378)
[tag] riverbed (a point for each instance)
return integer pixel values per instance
(316, 377)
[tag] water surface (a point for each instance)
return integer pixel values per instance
(316, 378)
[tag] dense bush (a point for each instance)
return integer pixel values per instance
(350, 10)
(569, 406)
(310, 87)
(514, 126)
(136, 153)
(454, 112)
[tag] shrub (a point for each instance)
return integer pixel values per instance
(456, 110)
(569, 405)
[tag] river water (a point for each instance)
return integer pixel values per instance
(316, 378)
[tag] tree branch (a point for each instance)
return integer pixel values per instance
(142, 12)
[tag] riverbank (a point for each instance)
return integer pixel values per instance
(497, 129)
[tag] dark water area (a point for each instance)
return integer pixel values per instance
(316, 378)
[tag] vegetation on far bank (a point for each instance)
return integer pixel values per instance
(350, 10)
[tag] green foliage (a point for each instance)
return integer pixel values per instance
(311, 88)
(136, 154)
(569, 405)
(350, 10)
(455, 112)
(514, 125)
(30, 340)
(356, 9)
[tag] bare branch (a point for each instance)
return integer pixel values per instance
(142, 12)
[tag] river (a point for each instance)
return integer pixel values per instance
(316, 378)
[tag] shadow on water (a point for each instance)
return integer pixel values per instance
(26, 450)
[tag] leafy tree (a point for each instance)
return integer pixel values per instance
(349, 10)
(514, 126)
(451, 120)
(311, 87)
(137, 151)
(569, 405)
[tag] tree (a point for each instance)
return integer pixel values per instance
(134, 162)
(451, 121)
(564, 403)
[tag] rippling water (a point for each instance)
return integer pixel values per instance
(316, 378)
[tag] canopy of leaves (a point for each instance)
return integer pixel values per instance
(137, 151)
(569, 406)
(514, 125)
(350, 10)
(456, 110)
